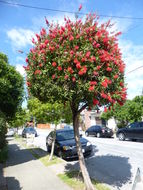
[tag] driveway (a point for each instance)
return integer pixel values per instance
(24, 172)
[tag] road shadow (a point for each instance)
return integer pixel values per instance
(109, 169)
(13, 184)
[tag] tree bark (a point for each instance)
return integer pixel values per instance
(53, 144)
(85, 174)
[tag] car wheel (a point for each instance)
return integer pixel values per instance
(121, 136)
(86, 134)
(98, 135)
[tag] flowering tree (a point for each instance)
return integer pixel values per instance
(80, 63)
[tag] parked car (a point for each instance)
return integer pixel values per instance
(133, 131)
(29, 130)
(99, 131)
(65, 145)
(11, 132)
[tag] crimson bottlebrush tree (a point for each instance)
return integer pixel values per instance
(79, 62)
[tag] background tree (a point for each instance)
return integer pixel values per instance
(21, 117)
(131, 111)
(11, 87)
(11, 94)
(51, 113)
(79, 63)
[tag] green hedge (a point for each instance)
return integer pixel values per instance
(3, 154)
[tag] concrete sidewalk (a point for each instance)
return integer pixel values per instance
(24, 172)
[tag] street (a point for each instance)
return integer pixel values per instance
(113, 162)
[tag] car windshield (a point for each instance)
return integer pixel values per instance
(65, 135)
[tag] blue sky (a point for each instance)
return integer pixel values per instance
(18, 25)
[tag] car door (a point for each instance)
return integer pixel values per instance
(91, 130)
(133, 130)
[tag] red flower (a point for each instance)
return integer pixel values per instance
(26, 59)
(71, 38)
(95, 102)
(87, 54)
(98, 67)
(54, 64)
(91, 88)
(103, 95)
(73, 79)
(66, 77)
(28, 83)
(116, 76)
(53, 76)
(37, 72)
(70, 70)
(95, 73)
(46, 42)
(76, 47)
(80, 7)
(105, 109)
(78, 66)
(93, 82)
(104, 84)
(109, 69)
(59, 68)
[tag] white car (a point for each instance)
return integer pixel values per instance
(10, 133)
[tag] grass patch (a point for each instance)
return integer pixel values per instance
(3, 154)
(74, 180)
(40, 154)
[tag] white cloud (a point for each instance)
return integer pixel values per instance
(20, 37)
(20, 69)
(133, 58)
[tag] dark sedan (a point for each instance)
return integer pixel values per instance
(133, 131)
(99, 131)
(65, 145)
(28, 131)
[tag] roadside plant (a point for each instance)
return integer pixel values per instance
(80, 63)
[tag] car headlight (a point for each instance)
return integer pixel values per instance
(66, 147)
(88, 143)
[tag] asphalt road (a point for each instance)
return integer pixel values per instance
(113, 162)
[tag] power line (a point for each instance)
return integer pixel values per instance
(134, 69)
(64, 11)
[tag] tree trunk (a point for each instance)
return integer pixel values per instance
(85, 174)
(53, 144)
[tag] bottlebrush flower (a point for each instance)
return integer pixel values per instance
(26, 60)
(73, 79)
(59, 68)
(54, 64)
(103, 95)
(66, 77)
(105, 109)
(95, 102)
(87, 54)
(104, 84)
(71, 38)
(37, 72)
(53, 76)
(109, 69)
(93, 83)
(80, 7)
(91, 88)
(116, 76)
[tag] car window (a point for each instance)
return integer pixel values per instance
(134, 125)
(97, 127)
(65, 135)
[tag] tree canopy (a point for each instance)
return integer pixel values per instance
(130, 112)
(11, 87)
(49, 112)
